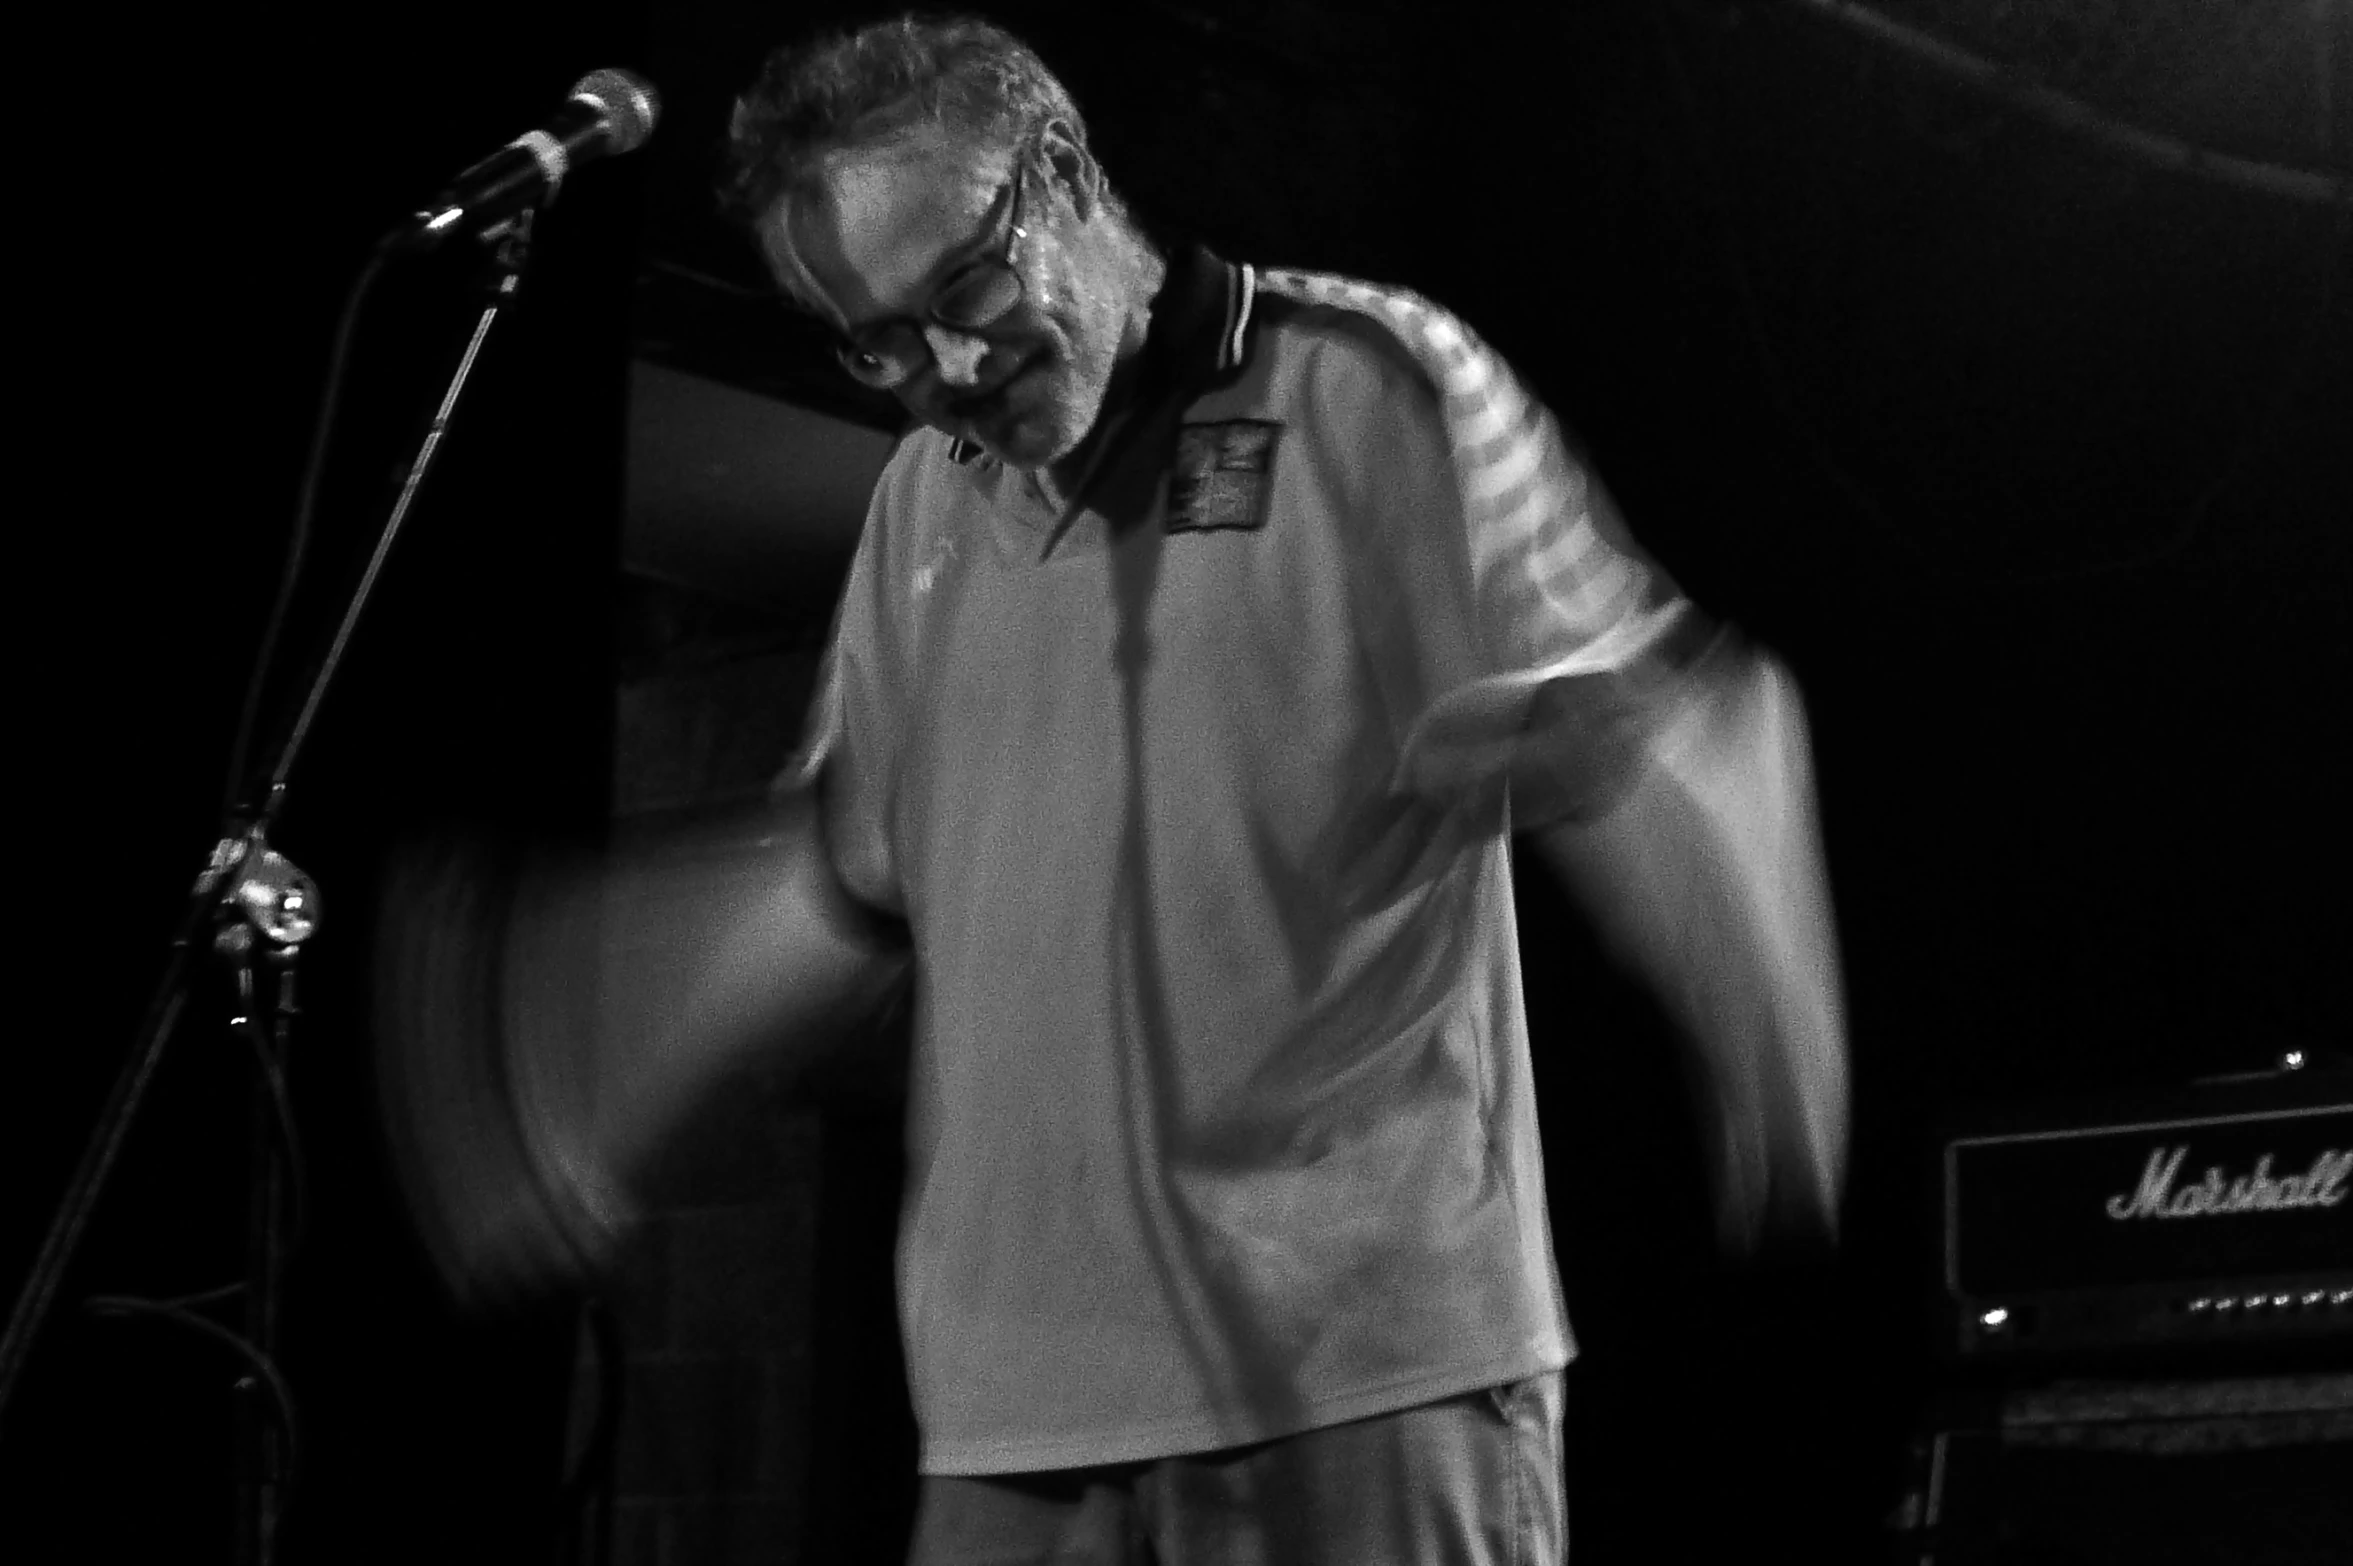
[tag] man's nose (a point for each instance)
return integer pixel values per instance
(957, 354)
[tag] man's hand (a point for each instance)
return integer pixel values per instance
(496, 1217)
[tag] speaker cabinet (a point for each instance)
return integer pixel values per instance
(2246, 1471)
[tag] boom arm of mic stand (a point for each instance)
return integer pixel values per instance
(242, 844)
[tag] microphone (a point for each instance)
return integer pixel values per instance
(610, 112)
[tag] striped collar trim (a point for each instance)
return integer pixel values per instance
(1241, 294)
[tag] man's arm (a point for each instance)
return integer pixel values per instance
(712, 948)
(1705, 877)
(615, 997)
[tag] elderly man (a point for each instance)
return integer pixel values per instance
(1203, 652)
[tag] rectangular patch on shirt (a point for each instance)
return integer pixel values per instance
(1222, 475)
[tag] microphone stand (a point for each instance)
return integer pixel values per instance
(253, 898)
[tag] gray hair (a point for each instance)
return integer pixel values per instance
(855, 89)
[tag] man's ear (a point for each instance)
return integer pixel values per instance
(1073, 165)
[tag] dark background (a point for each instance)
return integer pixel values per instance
(2030, 456)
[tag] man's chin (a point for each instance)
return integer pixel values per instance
(1037, 424)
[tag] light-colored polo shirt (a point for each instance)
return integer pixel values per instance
(1196, 802)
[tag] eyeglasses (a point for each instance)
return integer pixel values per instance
(888, 353)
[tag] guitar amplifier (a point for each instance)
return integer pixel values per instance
(2225, 1217)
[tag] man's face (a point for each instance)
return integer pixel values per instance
(897, 220)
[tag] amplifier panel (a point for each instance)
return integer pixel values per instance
(2159, 1229)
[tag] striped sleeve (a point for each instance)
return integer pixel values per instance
(1568, 637)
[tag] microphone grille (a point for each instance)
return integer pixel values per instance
(630, 105)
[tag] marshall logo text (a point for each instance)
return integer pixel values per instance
(2160, 1194)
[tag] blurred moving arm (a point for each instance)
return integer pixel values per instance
(542, 1035)
(1704, 876)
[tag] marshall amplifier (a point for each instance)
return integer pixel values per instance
(2222, 1218)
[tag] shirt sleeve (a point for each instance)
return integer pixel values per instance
(1523, 638)
(848, 741)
